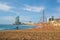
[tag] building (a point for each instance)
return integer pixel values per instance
(17, 22)
(29, 23)
(51, 19)
(55, 22)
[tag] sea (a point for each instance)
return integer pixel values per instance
(14, 27)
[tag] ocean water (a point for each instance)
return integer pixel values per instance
(14, 27)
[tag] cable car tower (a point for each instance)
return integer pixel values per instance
(43, 17)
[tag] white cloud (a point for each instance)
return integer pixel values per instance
(11, 19)
(5, 7)
(25, 18)
(34, 8)
(58, 1)
(7, 19)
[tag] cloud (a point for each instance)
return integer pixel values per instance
(11, 19)
(34, 8)
(25, 18)
(58, 1)
(5, 7)
(7, 19)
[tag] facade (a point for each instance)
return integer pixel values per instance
(29, 23)
(17, 20)
(55, 22)
(51, 19)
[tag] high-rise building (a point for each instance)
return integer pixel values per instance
(17, 20)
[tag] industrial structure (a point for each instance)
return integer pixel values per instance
(43, 18)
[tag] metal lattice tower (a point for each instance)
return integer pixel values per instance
(43, 17)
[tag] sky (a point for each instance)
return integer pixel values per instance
(28, 10)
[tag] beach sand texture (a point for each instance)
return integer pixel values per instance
(29, 35)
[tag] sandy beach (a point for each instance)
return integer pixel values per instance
(46, 32)
(29, 35)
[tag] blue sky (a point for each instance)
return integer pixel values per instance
(28, 10)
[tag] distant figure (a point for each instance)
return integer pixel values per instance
(17, 28)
